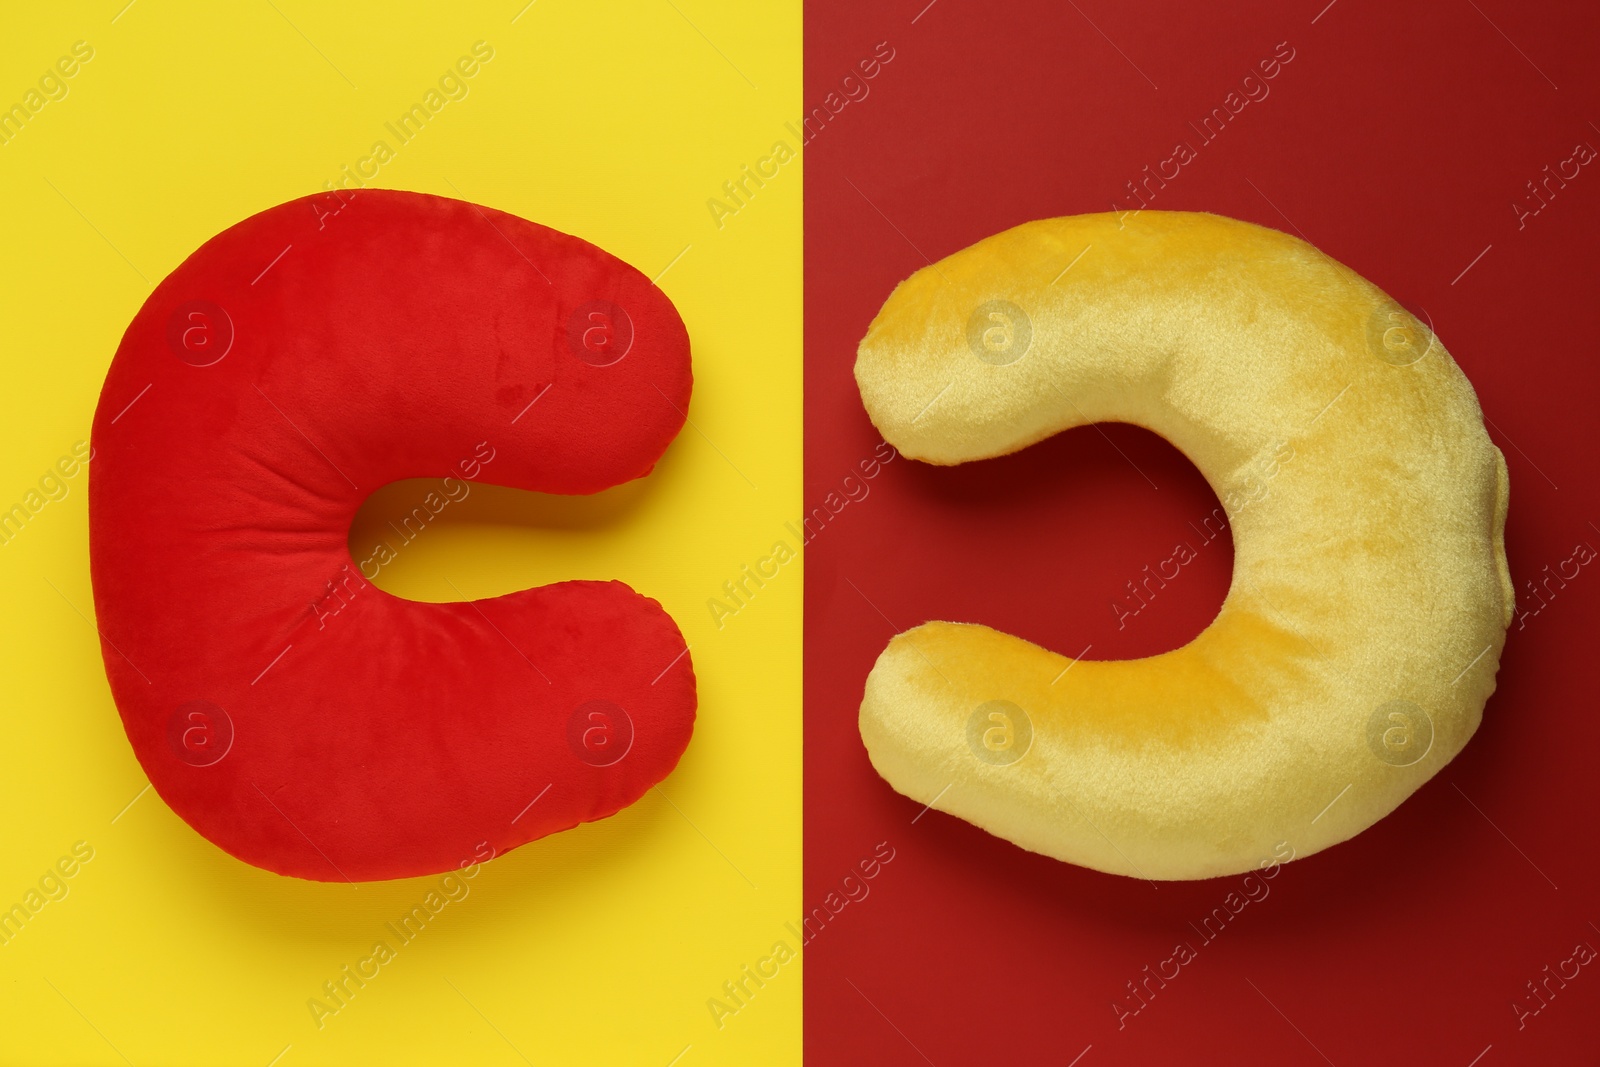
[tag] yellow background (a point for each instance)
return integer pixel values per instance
(612, 121)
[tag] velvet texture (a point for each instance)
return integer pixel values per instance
(1367, 506)
(399, 336)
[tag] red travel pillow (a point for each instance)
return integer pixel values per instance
(293, 713)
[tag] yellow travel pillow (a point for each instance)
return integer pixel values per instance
(1370, 598)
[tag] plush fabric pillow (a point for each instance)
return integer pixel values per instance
(286, 708)
(1370, 597)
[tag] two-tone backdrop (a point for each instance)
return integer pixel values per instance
(776, 170)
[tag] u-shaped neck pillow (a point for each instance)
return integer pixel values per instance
(1370, 596)
(289, 710)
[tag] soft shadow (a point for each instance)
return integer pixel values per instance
(294, 913)
(1064, 543)
(392, 511)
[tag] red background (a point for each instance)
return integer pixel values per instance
(1396, 140)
